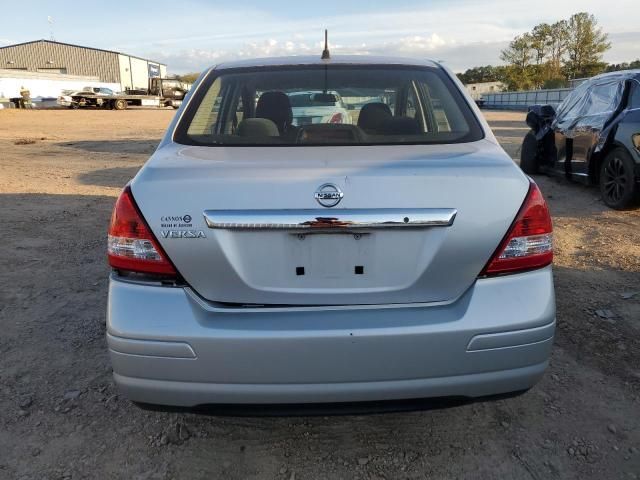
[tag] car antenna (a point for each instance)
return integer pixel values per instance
(325, 53)
(326, 56)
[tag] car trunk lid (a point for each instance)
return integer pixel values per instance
(414, 224)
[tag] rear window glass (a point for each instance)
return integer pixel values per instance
(327, 105)
(590, 106)
(313, 99)
(634, 99)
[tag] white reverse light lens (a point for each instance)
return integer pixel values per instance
(530, 245)
(141, 249)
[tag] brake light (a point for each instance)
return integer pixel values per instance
(528, 244)
(337, 118)
(131, 244)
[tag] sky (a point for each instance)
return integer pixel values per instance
(190, 35)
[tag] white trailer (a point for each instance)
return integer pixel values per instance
(45, 85)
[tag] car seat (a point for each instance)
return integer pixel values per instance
(275, 106)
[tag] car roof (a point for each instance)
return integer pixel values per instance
(621, 74)
(334, 60)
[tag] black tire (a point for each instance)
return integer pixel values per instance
(120, 104)
(529, 154)
(618, 184)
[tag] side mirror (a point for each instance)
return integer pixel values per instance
(533, 121)
(547, 111)
(539, 116)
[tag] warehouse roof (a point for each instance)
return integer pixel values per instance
(79, 46)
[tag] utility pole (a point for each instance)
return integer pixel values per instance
(50, 21)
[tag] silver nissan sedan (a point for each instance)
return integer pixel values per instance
(398, 255)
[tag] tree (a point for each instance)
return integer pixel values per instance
(519, 52)
(585, 46)
(188, 77)
(614, 67)
(487, 73)
(520, 73)
(541, 41)
(558, 39)
(551, 54)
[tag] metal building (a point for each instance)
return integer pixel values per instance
(47, 56)
(477, 90)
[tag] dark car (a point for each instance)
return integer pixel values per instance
(593, 137)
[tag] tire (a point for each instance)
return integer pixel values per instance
(529, 154)
(120, 104)
(617, 180)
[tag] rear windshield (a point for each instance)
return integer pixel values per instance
(313, 99)
(343, 105)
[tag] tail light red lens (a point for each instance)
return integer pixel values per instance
(529, 242)
(132, 247)
(336, 118)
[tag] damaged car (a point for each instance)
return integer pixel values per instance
(255, 261)
(593, 137)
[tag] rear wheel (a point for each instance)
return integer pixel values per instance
(529, 154)
(120, 104)
(617, 181)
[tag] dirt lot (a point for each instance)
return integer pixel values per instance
(60, 416)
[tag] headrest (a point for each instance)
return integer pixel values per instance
(400, 126)
(372, 115)
(257, 127)
(276, 107)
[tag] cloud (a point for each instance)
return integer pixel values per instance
(463, 33)
(434, 46)
(198, 59)
(624, 47)
(457, 55)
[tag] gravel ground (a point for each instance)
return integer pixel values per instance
(61, 418)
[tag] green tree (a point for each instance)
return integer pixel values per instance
(614, 67)
(541, 42)
(585, 46)
(520, 72)
(549, 55)
(558, 39)
(488, 73)
(519, 52)
(188, 77)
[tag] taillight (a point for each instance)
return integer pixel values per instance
(336, 118)
(528, 244)
(132, 246)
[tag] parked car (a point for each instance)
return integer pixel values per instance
(67, 97)
(318, 107)
(65, 100)
(255, 261)
(594, 137)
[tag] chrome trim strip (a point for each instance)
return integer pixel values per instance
(332, 220)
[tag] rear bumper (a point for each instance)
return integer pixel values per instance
(169, 347)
